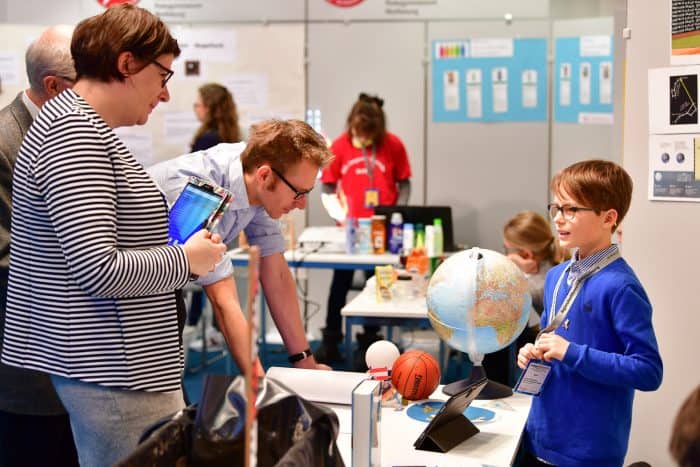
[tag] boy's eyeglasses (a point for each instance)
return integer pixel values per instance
(568, 212)
(169, 73)
(297, 194)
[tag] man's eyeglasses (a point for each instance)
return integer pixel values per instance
(568, 212)
(169, 73)
(67, 78)
(297, 194)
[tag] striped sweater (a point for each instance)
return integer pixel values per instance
(91, 276)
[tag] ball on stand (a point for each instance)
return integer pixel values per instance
(381, 354)
(415, 375)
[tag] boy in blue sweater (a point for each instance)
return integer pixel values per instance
(597, 331)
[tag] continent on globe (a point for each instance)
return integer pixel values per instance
(478, 301)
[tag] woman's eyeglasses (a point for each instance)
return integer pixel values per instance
(168, 72)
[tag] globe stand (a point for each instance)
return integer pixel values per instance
(492, 390)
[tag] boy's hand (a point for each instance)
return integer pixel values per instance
(527, 353)
(552, 346)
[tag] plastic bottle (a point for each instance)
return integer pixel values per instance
(420, 236)
(350, 235)
(438, 238)
(378, 234)
(364, 235)
(408, 234)
(438, 245)
(396, 233)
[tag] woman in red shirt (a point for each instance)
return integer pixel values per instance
(370, 168)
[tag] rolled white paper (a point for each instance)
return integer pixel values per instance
(328, 387)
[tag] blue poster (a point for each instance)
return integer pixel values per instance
(489, 80)
(583, 79)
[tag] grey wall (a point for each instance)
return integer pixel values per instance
(486, 172)
(660, 242)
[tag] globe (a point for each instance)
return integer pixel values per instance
(478, 302)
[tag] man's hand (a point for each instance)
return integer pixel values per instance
(311, 364)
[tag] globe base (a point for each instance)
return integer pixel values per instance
(492, 390)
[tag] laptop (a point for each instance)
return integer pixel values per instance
(424, 215)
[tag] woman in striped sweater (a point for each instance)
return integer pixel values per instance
(91, 296)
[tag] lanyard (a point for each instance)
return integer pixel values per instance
(556, 319)
(370, 166)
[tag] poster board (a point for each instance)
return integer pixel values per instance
(263, 66)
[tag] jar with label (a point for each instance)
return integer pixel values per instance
(378, 234)
(364, 236)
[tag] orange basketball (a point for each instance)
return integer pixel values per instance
(415, 375)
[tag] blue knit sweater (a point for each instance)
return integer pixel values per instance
(583, 414)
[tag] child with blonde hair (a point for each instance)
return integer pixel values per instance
(528, 241)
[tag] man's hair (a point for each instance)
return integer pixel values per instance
(367, 118)
(596, 184)
(98, 41)
(49, 55)
(685, 437)
(282, 144)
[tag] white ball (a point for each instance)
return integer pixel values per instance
(381, 354)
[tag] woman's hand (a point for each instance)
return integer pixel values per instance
(204, 250)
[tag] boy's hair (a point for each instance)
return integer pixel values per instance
(596, 184)
(530, 230)
(367, 118)
(98, 41)
(283, 143)
(221, 115)
(685, 437)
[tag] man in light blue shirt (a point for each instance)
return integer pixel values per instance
(269, 176)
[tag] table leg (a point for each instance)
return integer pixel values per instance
(349, 321)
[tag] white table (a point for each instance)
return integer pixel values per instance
(310, 258)
(364, 309)
(495, 445)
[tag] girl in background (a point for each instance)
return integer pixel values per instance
(216, 110)
(528, 241)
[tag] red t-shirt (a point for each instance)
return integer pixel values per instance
(349, 170)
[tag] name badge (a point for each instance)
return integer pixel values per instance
(371, 197)
(533, 378)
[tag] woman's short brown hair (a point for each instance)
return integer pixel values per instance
(282, 144)
(98, 41)
(597, 184)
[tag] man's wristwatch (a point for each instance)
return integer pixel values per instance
(300, 356)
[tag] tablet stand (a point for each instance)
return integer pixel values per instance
(444, 437)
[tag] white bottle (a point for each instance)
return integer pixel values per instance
(395, 232)
(408, 237)
(430, 241)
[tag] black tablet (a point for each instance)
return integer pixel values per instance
(450, 427)
(200, 205)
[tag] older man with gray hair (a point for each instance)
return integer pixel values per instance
(34, 427)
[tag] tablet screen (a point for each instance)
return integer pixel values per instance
(191, 211)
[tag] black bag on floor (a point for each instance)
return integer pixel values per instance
(291, 430)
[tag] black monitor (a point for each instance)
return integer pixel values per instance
(423, 215)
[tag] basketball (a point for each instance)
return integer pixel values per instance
(415, 375)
